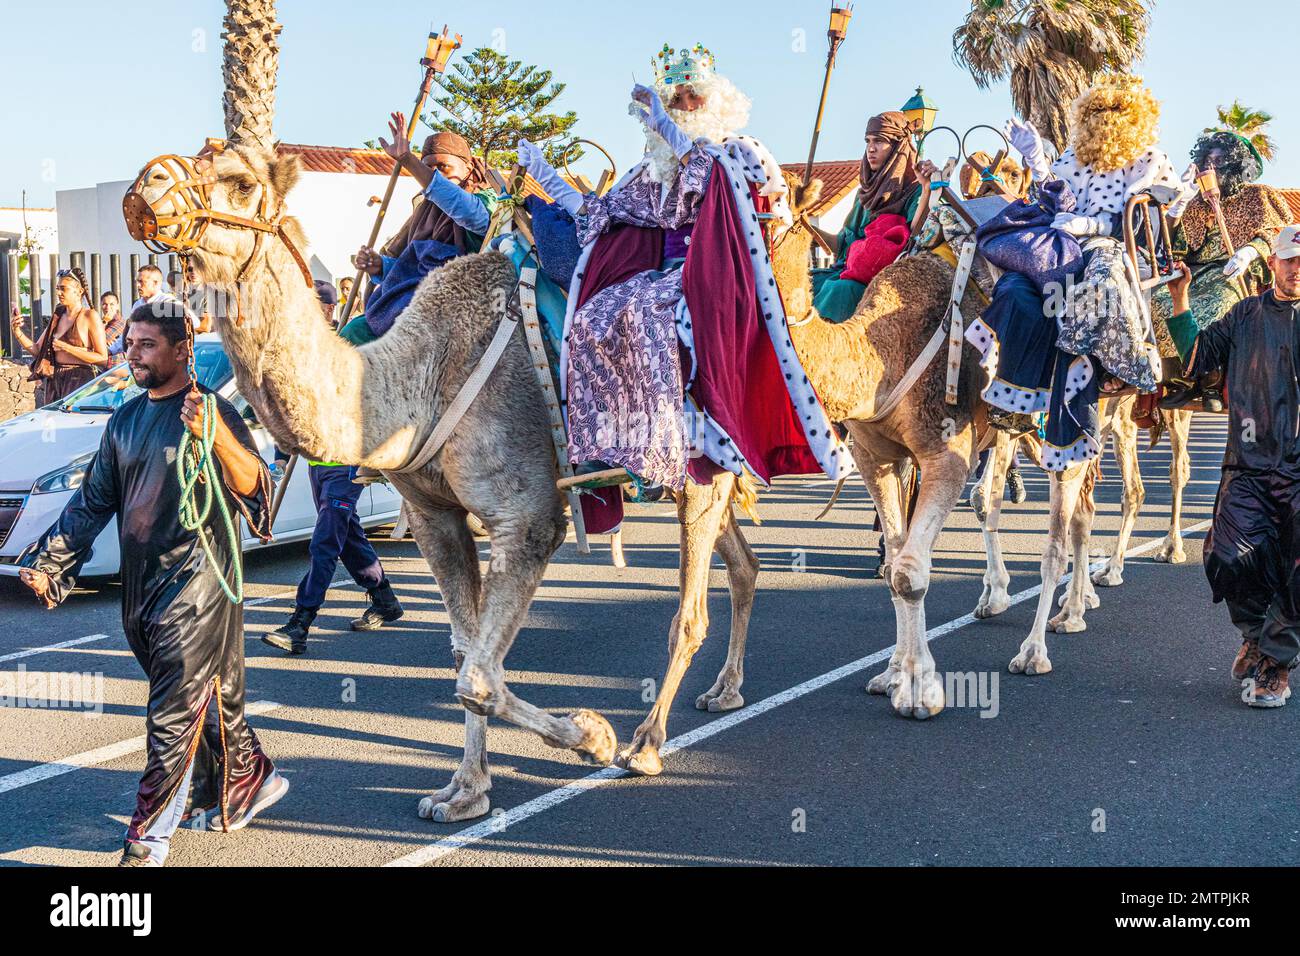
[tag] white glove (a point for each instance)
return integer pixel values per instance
(657, 119)
(531, 158)
(1190, 190)
(1079, 226)
(1240, 262)
(1029, 144)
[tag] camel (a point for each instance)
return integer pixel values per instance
(377, 405)
(1116, 418)
(854, 366)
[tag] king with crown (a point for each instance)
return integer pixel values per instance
(676, 359)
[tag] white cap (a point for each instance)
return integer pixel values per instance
(1287, 243)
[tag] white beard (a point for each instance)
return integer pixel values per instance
(702, 123)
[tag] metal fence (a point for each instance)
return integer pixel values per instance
(104, 273)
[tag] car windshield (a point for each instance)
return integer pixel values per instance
(114, 387)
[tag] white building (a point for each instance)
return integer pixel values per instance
(332, 201)
(839, 187)
(42, 223)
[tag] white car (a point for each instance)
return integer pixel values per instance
(44, 457)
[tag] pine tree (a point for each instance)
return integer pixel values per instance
(492, 102)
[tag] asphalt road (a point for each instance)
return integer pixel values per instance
(1135, 750)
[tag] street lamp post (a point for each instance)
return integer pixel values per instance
(839, 28)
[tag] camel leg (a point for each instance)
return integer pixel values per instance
(742, 575)
(995, 599)
(1079, 596)
(521, 549)
(448, 547)
(1126, 456)
(701, 511)
(1065, 487)
(1180, 470)
(918, 690)
(886, 488)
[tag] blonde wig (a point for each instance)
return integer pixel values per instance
(1114, 122)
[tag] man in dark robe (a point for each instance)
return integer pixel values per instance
(186, 634)
(1252, 554)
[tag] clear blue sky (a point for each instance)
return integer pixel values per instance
(93, 89)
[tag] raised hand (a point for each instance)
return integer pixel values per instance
(400, 147)
(1029, 144)
(531, 157)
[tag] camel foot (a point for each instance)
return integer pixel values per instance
(992, 603)
(919, 696)
(883, 682)
(1171, 551)
(1031, 661)
(718, 701)
(1069, 621)
(453, 803)
(641, 757)
(598, 739)
(1108, 577)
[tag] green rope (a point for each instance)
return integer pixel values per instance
(194, 466)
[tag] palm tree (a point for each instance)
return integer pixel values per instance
(1051, 50)
(1248, 123)
(249, 60)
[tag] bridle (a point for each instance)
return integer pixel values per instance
(190, 180)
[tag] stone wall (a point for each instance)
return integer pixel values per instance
(17, 395)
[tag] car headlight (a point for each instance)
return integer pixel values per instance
(68, 478)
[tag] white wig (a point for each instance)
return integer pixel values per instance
(725, 113)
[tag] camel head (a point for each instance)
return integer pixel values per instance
(220, 206)
(791, 248)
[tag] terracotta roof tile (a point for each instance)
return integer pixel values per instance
(341, 159)
(1292, 197)
(839, 178)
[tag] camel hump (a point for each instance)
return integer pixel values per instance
(476, 283)
(918, 285)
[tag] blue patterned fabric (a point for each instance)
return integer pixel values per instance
(556, 235)
(1021, 238)
(1016, 339)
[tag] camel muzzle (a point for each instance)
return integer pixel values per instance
(179, 213)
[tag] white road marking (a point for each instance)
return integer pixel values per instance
(53, 647)
(251, 602)
(45, 771)
(501, 822)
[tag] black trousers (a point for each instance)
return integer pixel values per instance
(338, 535)
(1252, 558)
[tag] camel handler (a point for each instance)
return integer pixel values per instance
(1252, 554)
(338, 535)
(186, 634)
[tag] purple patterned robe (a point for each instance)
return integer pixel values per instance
(624, 376)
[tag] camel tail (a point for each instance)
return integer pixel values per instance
(745, 496)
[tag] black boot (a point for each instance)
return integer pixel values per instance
(1179, 395)
(384, 609)
(292, 637)
(1212, 392)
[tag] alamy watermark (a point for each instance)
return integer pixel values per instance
(53, 690)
